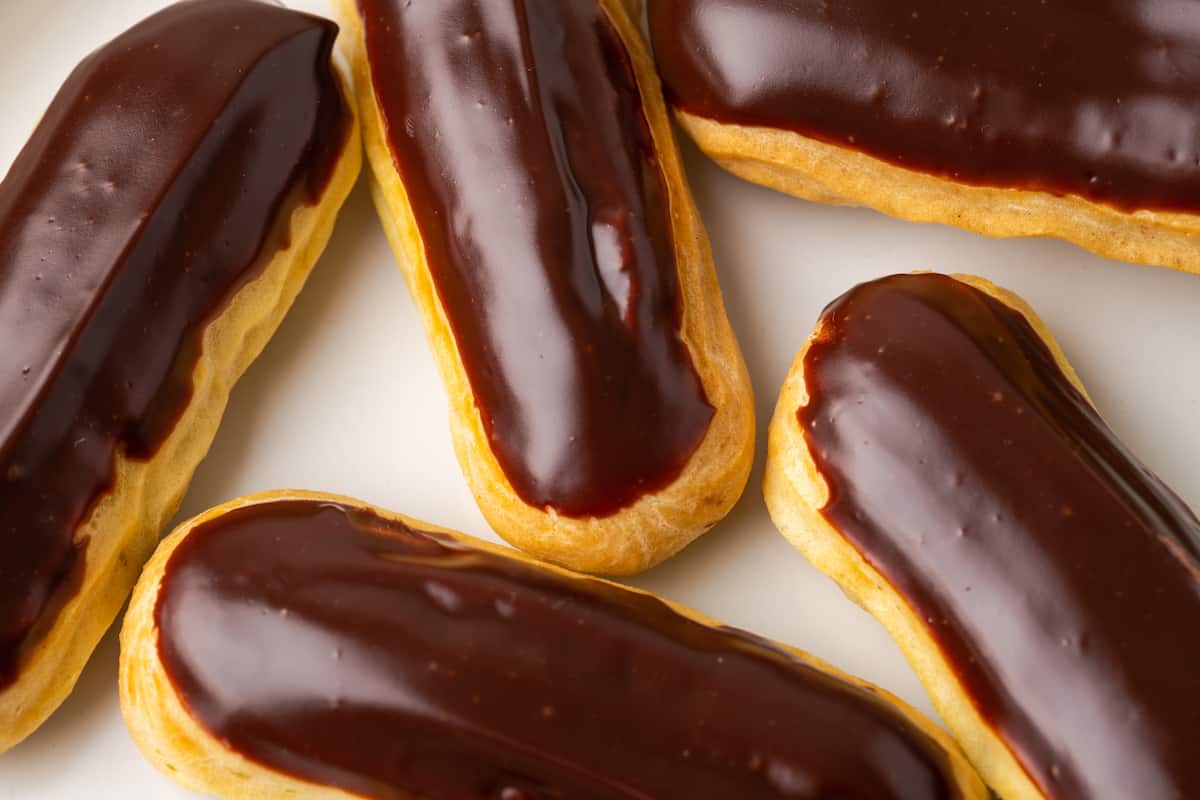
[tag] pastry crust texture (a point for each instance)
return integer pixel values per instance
(795, 491)
(658, 524)
(180, 747)
(828, 173)
(124, 524)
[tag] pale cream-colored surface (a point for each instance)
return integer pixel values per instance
(124, 524)
(657, 525)
(181, 748)
(796, 491)
(827, 173)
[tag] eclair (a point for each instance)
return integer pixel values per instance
(302, 645)
(934, 453)
(153, 232)
(528, 180)
(1005, 117)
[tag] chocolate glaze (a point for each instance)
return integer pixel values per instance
(518, 129)
(354, 651)
(1095, 98)
(1060, 578)
(153, 188)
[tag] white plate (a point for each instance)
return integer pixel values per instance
(346, 397)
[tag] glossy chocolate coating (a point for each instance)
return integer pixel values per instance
(1060, 578)
(157, 184)
(358, 652)
(519, 132)
(1095, 98)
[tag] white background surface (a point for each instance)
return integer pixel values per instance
(346, 397)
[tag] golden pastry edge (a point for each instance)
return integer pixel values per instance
(827, 173)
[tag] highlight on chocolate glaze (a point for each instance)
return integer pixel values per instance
(327, 642)
(152, 189)
(1058, 576)
(1094, 99)
(519, 131)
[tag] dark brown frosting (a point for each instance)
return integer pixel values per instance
(357, 652)
(1095, 98)
(154, 187)
(519, 132)
(1060, 578)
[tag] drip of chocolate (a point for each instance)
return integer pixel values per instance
(520, 134)
(1059, 577)
(158, 182)
(1095, 98)
(358, 652)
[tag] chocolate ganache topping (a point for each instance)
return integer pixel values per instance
(519, 131)
(158, 182)
(359, 652)
(1095, 98)
(1059, 577)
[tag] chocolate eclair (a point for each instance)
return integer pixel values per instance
(1007, 117)
(153, 231)
(302, 645)
(527, 177)
(935, 454)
